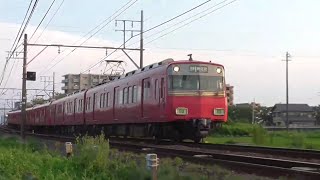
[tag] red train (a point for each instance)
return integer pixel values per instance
(170, 99)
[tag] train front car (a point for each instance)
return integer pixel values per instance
(196, 99)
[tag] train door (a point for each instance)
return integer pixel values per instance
(74, 109)
(162, 99)
(146, 98)
(94, 106)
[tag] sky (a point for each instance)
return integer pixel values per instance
(249, 37)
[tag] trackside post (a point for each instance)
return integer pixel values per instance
(152, 164)
(68, 149)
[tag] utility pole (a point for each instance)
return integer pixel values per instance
(253, 106)
(287, 91)
(4, 114)
(141, 40)
(24, 87)
(125, 30)
(53, 76)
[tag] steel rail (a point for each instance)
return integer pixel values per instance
(271, 167)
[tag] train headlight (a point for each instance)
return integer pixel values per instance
(219, 70)
(181, 111)
(218, 112)
(176, 68)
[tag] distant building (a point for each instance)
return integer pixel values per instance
(229, 93)
(298, 115)
(76, 82)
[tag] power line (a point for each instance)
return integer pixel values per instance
(42, 20)
(177, 16)
(191, 21)
(54, 14)
(96, 31)
(92, 30)
(12, 52)
(171, 27)
(7, 60)
(90, 67)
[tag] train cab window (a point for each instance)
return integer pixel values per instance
(135, 94)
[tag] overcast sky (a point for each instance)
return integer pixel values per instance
(249, 37)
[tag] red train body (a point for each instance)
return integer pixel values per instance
(170, 99)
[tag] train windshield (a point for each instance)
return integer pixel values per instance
(195, 82)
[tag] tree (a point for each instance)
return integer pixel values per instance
(37, 101)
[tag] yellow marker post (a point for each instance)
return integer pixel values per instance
(68, 149)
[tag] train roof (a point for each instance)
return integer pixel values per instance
(165, 62)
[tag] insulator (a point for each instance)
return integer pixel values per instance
(59, 50)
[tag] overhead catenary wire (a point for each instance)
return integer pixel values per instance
(21, 33)
(45, 15)
(54, 14)
(92, 66)
(107, 21)
(13, 45)
(165, 22)
(103, 24)
(192, 21)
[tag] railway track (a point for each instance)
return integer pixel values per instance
(205, 154)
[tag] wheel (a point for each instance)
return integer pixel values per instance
(197, 139)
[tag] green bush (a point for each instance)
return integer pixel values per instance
(233, 129)
(297, 140)
(259, 135)
(92, 159)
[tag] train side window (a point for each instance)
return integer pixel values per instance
(125, 96)
(155, 88)
(75, 105)
(107, 100)
(119, 96)
(162, 88)
(135, 94)
(89, 106)
(130, 94)
(101, 101)
(146, 88)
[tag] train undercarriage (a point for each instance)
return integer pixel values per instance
(195, 130)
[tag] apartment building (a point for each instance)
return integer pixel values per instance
(76, 82)
(229, 93)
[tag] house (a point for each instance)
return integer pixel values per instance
(298, 115)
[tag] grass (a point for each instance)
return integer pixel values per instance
(93, 159)
(256, 135)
